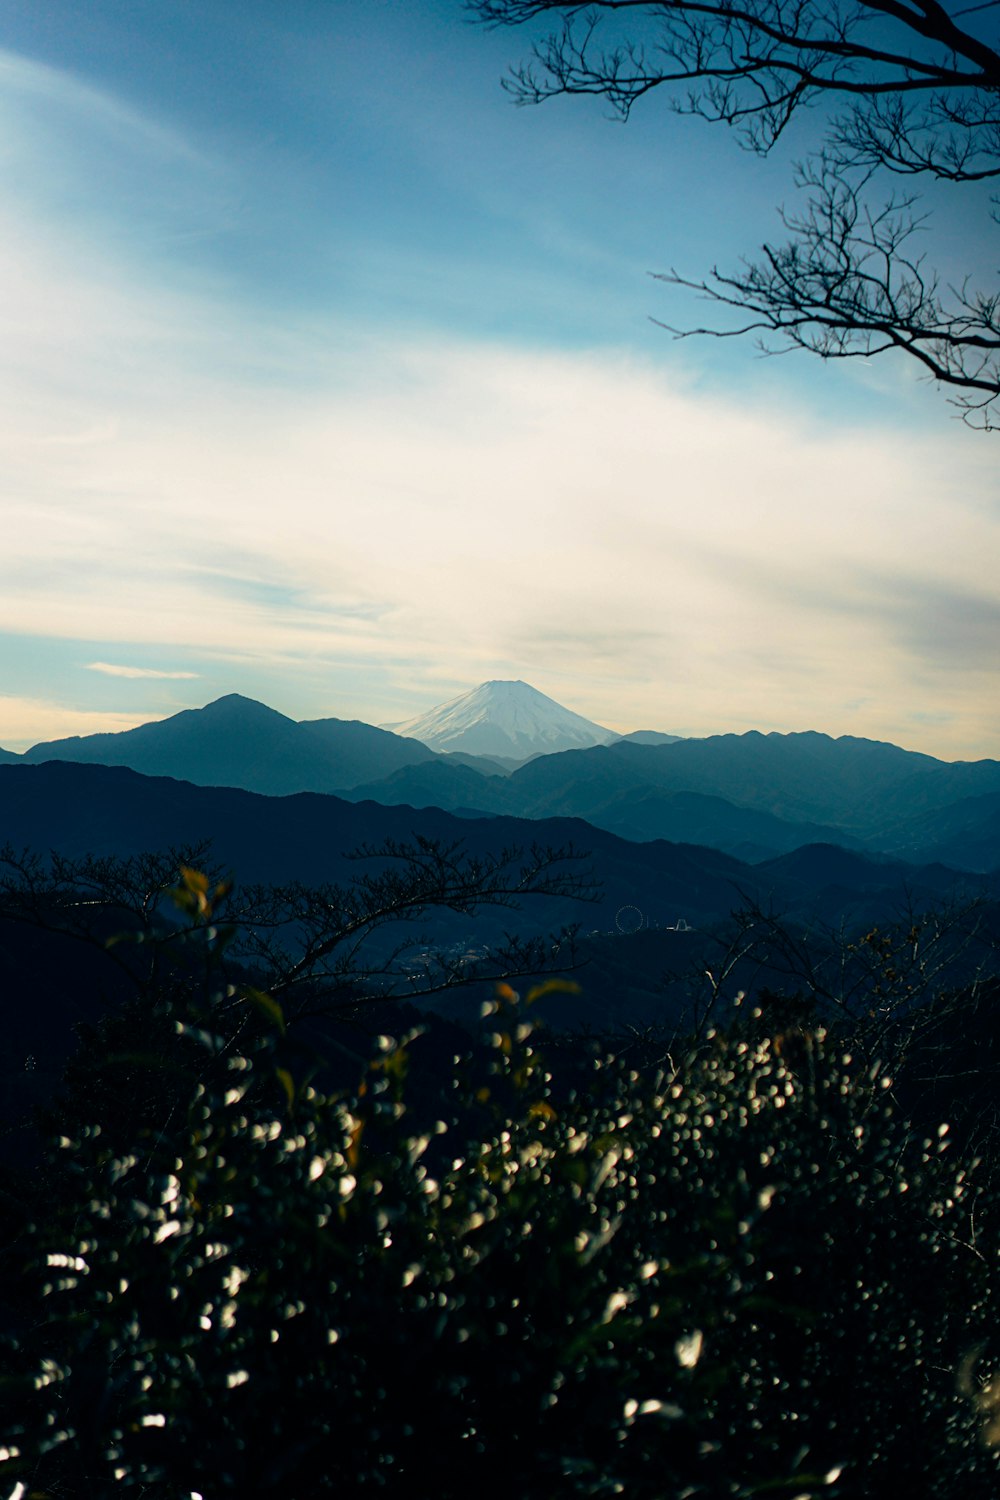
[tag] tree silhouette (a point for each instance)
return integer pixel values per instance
(913, 90)
(398, 931)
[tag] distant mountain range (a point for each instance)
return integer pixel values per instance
(236, 741)
(92, 809)
(638, 964)
(680, 834)
(753, 796)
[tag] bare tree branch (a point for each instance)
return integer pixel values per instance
(920, 95)
(317, 948)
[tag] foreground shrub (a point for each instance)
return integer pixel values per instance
(744, 1274)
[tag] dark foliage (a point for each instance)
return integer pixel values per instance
(525, 1269)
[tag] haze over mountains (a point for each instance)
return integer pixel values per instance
(636, 963)
(754, 796)
(81, 809)
(840, 833)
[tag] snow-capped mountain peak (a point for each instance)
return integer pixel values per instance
(504, 718)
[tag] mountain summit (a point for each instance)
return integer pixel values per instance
(504, 718)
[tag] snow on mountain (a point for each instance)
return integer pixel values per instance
(504, 718)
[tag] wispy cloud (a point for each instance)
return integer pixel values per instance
(63, 98)
(111, 669)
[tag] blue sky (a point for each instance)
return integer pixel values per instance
(329, 377)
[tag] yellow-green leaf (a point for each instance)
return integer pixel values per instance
(267, 1005)
(551, 987)
(287, 1083)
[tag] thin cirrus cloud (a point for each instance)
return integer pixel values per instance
(112, 669)
(113, 181)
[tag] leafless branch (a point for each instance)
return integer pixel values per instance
(919, 94)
